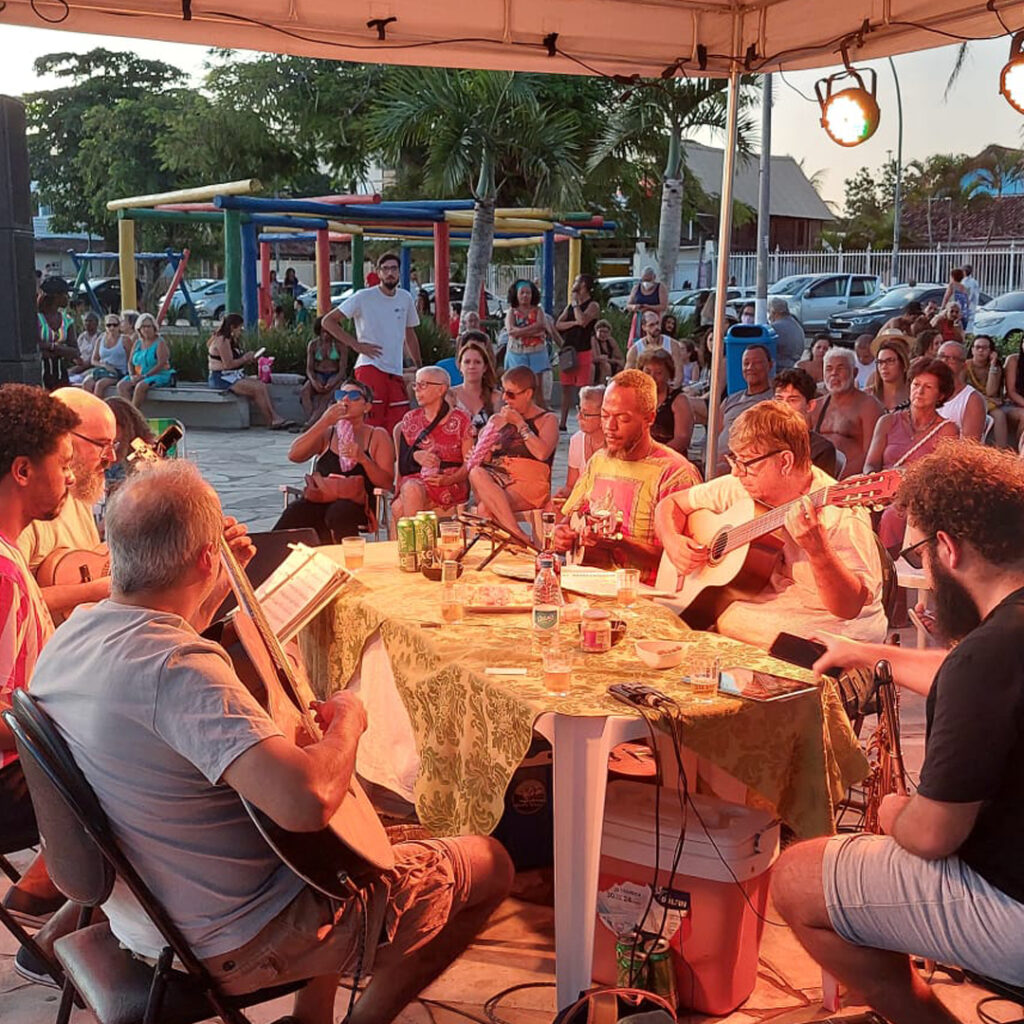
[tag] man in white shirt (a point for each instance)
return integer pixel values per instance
(385, 316)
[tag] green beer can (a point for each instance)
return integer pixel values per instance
(426, 534)
(408, 557)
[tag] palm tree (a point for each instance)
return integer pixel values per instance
(669, 111)
(997, 171)
(479, 129)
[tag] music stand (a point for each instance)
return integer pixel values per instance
(501, 539)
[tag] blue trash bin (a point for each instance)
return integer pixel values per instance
(738, 339)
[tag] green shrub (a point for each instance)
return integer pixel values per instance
(286, 345)
(435, 341)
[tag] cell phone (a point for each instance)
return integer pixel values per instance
(799, 651)
(259, 352)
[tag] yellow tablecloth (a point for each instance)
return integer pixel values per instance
(472, 730)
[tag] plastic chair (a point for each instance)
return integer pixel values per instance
(84, 859)
(452, 369)
(379, 518)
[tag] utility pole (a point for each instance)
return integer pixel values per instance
(764, 218)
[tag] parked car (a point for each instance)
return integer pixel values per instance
(812, 300)
(617, 289)
(108, 293)
(495, 307)
(212, 303)
(1001, 318)
(869, 319)
(684, 303)
(196, 286)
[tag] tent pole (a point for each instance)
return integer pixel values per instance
(764, 203)
(724, 237)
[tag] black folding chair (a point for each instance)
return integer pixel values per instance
(84, 858)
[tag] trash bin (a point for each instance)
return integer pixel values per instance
(738, 339)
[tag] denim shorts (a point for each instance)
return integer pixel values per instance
(538, 360)
(879, 895)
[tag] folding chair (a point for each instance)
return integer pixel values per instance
(84, 859)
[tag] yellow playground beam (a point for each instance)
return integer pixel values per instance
(202, 194)
(575, 256)
(464, 218)
(126, 262)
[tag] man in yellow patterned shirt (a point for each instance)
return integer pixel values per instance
(634, 472)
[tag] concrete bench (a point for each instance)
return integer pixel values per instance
(198, 406)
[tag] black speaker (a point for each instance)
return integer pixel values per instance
(15, 201)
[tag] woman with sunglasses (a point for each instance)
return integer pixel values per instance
(352, 458)
(110, 356)
(910, 434)
(431, 442)
(149, 365)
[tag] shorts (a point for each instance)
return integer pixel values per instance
(314, 936)
(582, 374)
(163, 379)
(537, 360)
(223, 380)
(879, 895)
(17, 818)
(102, 373)
(390, 398)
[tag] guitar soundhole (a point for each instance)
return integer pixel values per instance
(718, 546)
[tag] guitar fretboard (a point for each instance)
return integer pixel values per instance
(769, 522)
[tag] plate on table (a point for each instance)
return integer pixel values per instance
(497, 598)
(518, 570)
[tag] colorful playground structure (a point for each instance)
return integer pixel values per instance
(252, 224)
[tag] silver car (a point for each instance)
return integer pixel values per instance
(812, 299)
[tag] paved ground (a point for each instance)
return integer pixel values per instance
(518, 947)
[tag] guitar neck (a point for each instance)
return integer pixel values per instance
(771, 521)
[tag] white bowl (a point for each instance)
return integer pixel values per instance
(660, 653)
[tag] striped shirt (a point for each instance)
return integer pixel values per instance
(25, 626)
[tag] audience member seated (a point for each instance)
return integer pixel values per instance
(477, 396)
(985, 375)
(797, 389)
(94, 446)
(36, 456)
(635, 471)
(609, 356)
(652, 339)
(110, 354)
(352, 458)
(862, 349)
(1013, 376)
(673, 420)
(169, 739)
(325, 368)
(691, 369)
(80, 371)
(790, 346)
(928, 342)
(815, 366)
(511, 463)
(949, 323)
(587, 440)
(131, 424)
(904, 321)
(756, 368)
(57, 334)
(226, 362)
(846, 416)
(892, 364)
(907, 436)
(432, 442)
(828, 575)
(945, 879)
(149, 365)
(965, 407)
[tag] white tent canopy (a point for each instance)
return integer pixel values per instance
(604, 36)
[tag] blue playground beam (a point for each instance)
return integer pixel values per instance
(398, 211)
(250, 286)
(405, 267)
(269, 220)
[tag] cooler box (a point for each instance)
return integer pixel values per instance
(737, 339)
(714, 933)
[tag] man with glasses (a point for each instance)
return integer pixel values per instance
(945, 880)
(384, 317)
(828, 573)
(94, 445)
(965, 407)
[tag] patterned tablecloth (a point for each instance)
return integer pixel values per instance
(472, 730)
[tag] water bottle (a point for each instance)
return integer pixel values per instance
(547, 602)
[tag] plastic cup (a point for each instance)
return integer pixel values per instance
(704, 673)
(353, 552)
(449, 540)
(627, 582)
(558, 662)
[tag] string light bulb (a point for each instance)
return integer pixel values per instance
(849, 116)
(1011, 78)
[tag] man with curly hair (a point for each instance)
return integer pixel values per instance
(946, 879)
(35, 481)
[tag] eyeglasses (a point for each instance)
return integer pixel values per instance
(112, 323)
(913, 555)
(352, 394)
(590, 415)
(886, 362)
(744, 465)
(510, 394)
(428, 383)
(388, 267)
(104, 446)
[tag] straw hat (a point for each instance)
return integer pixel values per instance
(899, 342)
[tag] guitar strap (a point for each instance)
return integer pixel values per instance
(821, 415)
(407, 466)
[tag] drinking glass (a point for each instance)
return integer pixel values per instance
(628, 583)
(453, 602)
(353, 551)
(704, 671)
(450, 540)
(558, 662)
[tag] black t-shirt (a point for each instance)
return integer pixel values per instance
(578, 336)
(975, 743)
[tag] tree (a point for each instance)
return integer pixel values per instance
(668, 111)
(476, 131)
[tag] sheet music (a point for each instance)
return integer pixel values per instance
(298, 588)
(584, 579)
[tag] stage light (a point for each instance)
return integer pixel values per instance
(1011, 78)
(849, 116)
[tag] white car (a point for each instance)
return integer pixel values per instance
(684, 303)
(617, 289)
(1002, 318)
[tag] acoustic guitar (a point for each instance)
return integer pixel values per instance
(65, 566)
(354, 845)
(744, 546)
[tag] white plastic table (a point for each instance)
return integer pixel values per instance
(913, 579)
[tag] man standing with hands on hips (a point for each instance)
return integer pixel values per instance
(384, 316)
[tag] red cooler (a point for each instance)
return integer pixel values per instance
(713, 932)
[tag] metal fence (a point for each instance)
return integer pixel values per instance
(998, 270)
(500, 277)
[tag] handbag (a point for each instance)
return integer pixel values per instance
(566, 359)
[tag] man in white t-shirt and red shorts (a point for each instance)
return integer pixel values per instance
(384, 316)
